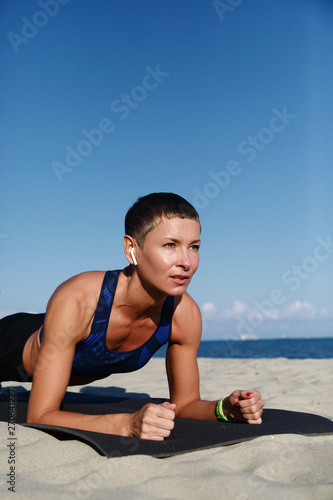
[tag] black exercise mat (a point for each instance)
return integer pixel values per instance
(187, 435)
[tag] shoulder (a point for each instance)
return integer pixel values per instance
(186, 307)
(79, 287)
(75, 300)
(187, 322)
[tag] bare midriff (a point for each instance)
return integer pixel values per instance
(30, 351)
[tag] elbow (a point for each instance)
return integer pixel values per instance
(34, 417)
(184, 410)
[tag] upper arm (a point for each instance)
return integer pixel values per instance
(181, 360)
(65, 324)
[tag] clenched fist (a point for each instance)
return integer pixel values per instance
(152, 421)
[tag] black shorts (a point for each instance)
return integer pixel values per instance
(14, 332)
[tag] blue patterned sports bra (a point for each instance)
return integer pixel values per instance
(93, 358)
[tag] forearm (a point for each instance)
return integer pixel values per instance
(200, 409)
(241, 406)
(110, 424)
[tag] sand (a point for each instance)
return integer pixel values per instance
(273, 467)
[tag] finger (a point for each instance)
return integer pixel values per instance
(153, 437)
(149, 431)
(158, 417)
(166, 410)
(234, 397)
(247, 395)
(164, 423)
(252, 414)
(249, 398)
(258, 421)
(158, 429)
(170, 406)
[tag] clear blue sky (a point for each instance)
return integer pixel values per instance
(228, 106)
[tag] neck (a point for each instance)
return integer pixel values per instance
(140, 301)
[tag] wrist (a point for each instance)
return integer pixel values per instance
(119, 424)
(222, 410)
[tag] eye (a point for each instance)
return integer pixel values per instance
(195, 247)
(170, 245)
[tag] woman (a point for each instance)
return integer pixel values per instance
(101, 323)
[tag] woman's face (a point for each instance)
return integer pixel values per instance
(170, 256)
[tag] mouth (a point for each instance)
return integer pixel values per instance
(180, 279)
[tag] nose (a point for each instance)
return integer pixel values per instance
(184, 259)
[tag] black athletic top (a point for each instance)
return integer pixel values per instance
(93, 358)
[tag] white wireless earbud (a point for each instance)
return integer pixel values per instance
(133, 256)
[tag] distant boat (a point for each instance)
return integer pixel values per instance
(249, 337)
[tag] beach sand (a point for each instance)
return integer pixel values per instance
(270, 467)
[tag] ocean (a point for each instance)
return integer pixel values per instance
(315, 348)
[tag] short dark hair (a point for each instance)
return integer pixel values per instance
(147, 212)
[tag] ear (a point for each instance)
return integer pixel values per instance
(129, 245)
